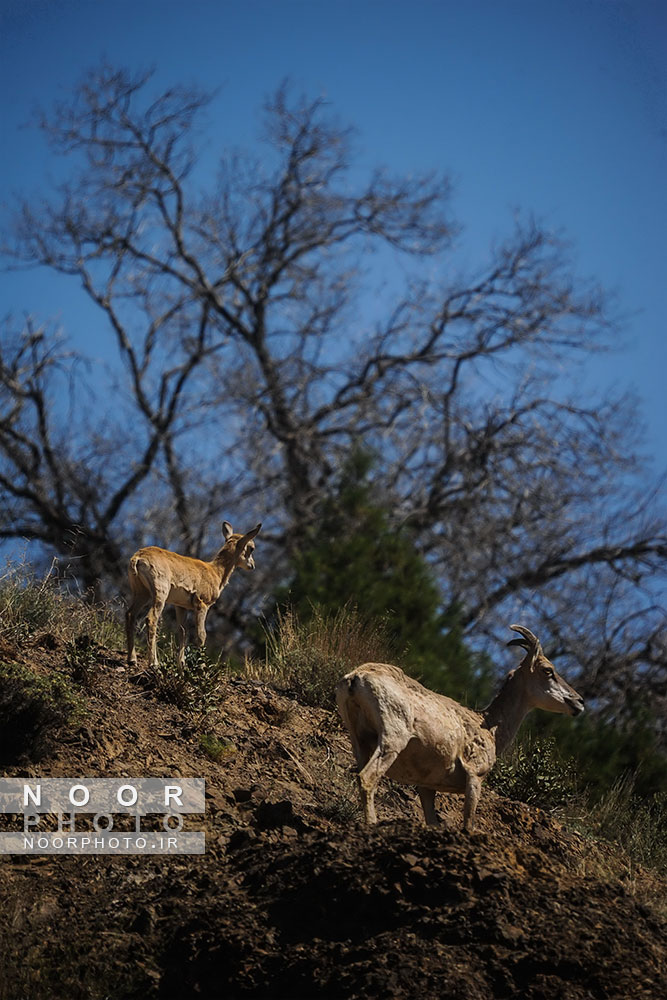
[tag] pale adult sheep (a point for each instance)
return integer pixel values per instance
(401, 729)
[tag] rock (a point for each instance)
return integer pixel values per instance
(272, 815)
(240, 839)
(243, 794)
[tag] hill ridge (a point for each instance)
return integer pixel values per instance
(294, 897)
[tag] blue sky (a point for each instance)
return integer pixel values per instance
(555, 108)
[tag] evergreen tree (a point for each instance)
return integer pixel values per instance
(355, 556)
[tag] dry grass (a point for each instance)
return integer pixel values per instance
(638, 826)
(31, 606)
(308, 658)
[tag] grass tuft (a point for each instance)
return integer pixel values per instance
(308, 658)
(31, 606)
(638, 825)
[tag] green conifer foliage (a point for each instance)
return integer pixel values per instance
(357, 556)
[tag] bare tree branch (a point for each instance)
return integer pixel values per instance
(254, 350)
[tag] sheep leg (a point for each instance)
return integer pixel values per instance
(370, 776)
(201, 610)
(473, 792)
(182, 633)
(136, 606)
(427, 799)
(141, 597)
(152, 620)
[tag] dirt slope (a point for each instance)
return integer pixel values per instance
(294, 898)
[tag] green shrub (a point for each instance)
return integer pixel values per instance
(197, 684)
(533, 771)
(82, 660)
(34, 709)
(606, 747)
(308, 658)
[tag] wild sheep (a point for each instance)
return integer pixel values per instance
(158, 577)
(399, 728)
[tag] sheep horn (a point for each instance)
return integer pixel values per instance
(529, 642)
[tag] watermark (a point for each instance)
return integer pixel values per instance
(48, 811)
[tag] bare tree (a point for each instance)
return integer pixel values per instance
(257, 342)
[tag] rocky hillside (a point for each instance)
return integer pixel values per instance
(294, 898)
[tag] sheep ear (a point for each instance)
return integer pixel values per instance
(242, 542)
(227, 530)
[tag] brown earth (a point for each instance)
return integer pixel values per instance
(294, 898)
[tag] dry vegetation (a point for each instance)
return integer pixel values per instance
(308, 658)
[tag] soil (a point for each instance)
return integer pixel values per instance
(294, 898)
